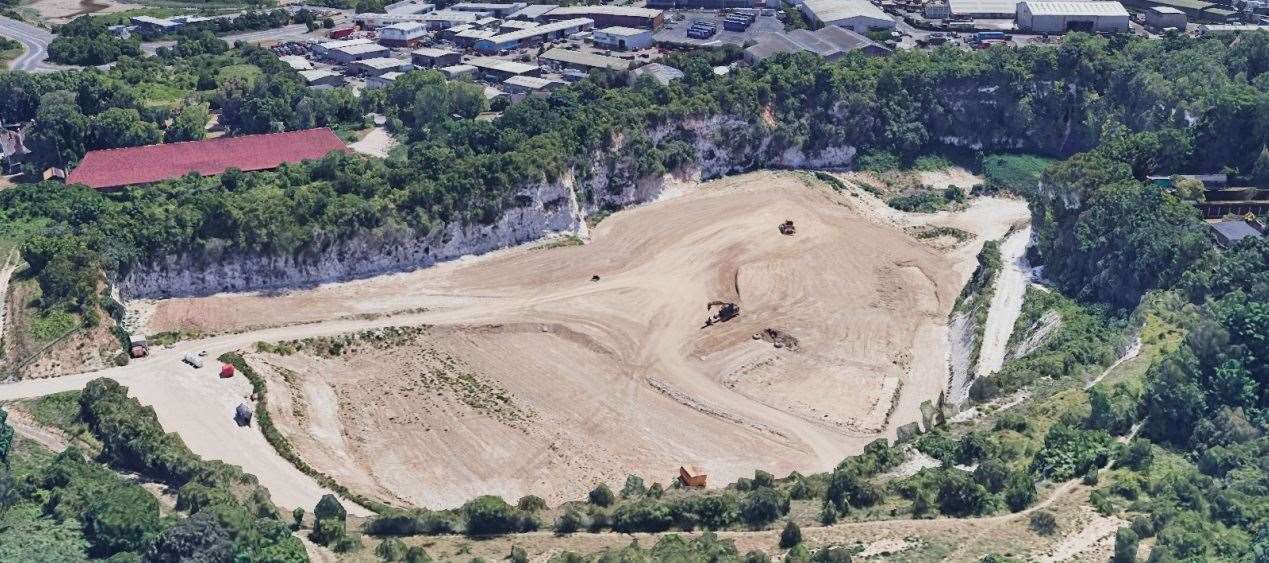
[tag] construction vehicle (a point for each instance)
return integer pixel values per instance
(138, 346)
(692, 476)
(787, 228)
(226, 371)
(242, 415)
(721, 312)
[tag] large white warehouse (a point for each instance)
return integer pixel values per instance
(1061, 17)
(860, 16)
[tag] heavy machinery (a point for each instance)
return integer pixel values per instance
(721, 312)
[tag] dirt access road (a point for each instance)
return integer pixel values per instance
(861, 296)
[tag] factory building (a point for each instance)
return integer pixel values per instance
(608, 16)
(1061, 17)
(860, 16)
(427, 57)
(489, 8)
(622, 38)
(1163, 17)
(982, 9)
(533, 35)
(403, 34)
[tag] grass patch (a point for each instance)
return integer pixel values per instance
(932, 163)
(925, 233)
(172, 337)
(595, 218)
(50, 325)
(566, 240)
(245, 72)
(1016, 173)
(831, 180)
(925, 200)
(153, 94)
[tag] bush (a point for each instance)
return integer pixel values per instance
(634, 487)
(1090, 476)
(655, 491)
(122, 519)
(601, 495)
(411, 523)
(347, 544)
(1019, 491)
(646, 515)
(298, 516)
(960, 496)
(712, 511)
(518, 555)
(763, 479)
(992, 474)
(327, 532)
(828, 514)
(790, 536)
(1125, 546)
(329, 508)
(1142, 527)
(489, 514)
(391, 549)
(1043, 522)
(570, 521)
(531, 503)
(763, 506)
(417, 554)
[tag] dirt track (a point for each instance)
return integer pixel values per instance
(621, 365)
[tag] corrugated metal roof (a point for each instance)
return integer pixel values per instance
(606, 10)
(829, 11)
(973, 7)
(113, 168)
(584, 59)
(522, 34)
(510, 67)
(1076, 8)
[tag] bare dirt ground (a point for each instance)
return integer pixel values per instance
(376, 143)
(63, 11)
(1006, 301)
(619, 376)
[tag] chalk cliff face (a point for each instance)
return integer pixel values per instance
(724, 145)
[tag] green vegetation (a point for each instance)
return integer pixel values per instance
(925, 200)
(86, 41)
(1013, 173)
(9, 50)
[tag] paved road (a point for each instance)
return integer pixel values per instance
(34, 41)
(199, 406)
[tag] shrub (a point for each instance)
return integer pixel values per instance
(328, 531)
(298, 516)
(391, 549)
(411, 523)
(960, 496)
(790, 536)
(1043, 522)
(201, 537)
(121, 519)
(601, 495)
(1090, 476)
(800, 489)
(763, 506)
(531, 503)
(634, 487)
(417, 554)
(1125, 546)
(763, 479)
(712, 511)
(828, 514)
(1142, 527)
(329, 508)
(1019, 491)
(489, 514)
(347, 544)
(647, 515)
(655, 491)
(518, 555)
(1070, 451)
(1138, 455)
(570, 521)
(992, 474)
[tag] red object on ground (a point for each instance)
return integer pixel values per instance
(341, 32)
(114, 168)
(226, 371)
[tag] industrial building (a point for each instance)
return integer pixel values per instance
(296, 62)
(489, 8)
(829, 42)
(520, 86)
(439, 19)
(359, 52)
(427, 57)
(586, 62)
(622, 38)
(456, 72)
(409, 7)
(383, 80)
(323, 50)
(497, 70)
(533, 35)
(380, 65)
(152, 24)
(532, 12)
(116, 168)
(1218, 29)
(1061, 17)
(402, 34)
(860, 16)
(608, 16)
(708, 4)
(663, 74)
(982, 9)
(1164, 17)
(322, 78)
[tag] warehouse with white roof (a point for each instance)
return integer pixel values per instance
(860, 16)
(984, 9)
(1061, 17)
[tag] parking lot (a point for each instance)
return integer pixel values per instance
(675, 30)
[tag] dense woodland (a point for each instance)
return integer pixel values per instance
(1111, 109)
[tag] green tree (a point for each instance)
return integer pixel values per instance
(120, 127)
(189, 124)
(121, 519)
(490, 514)
(790, 536)
(58, 136)
(1125, 546)
(601, 495)
(6, 437)
(329, 508)
(634, 487)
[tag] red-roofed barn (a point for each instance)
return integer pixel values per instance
(116, 168)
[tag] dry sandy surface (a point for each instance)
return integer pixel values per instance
(62, 11)
(376, 143)
(610, 377)
(1006, 301)
(619, 376)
